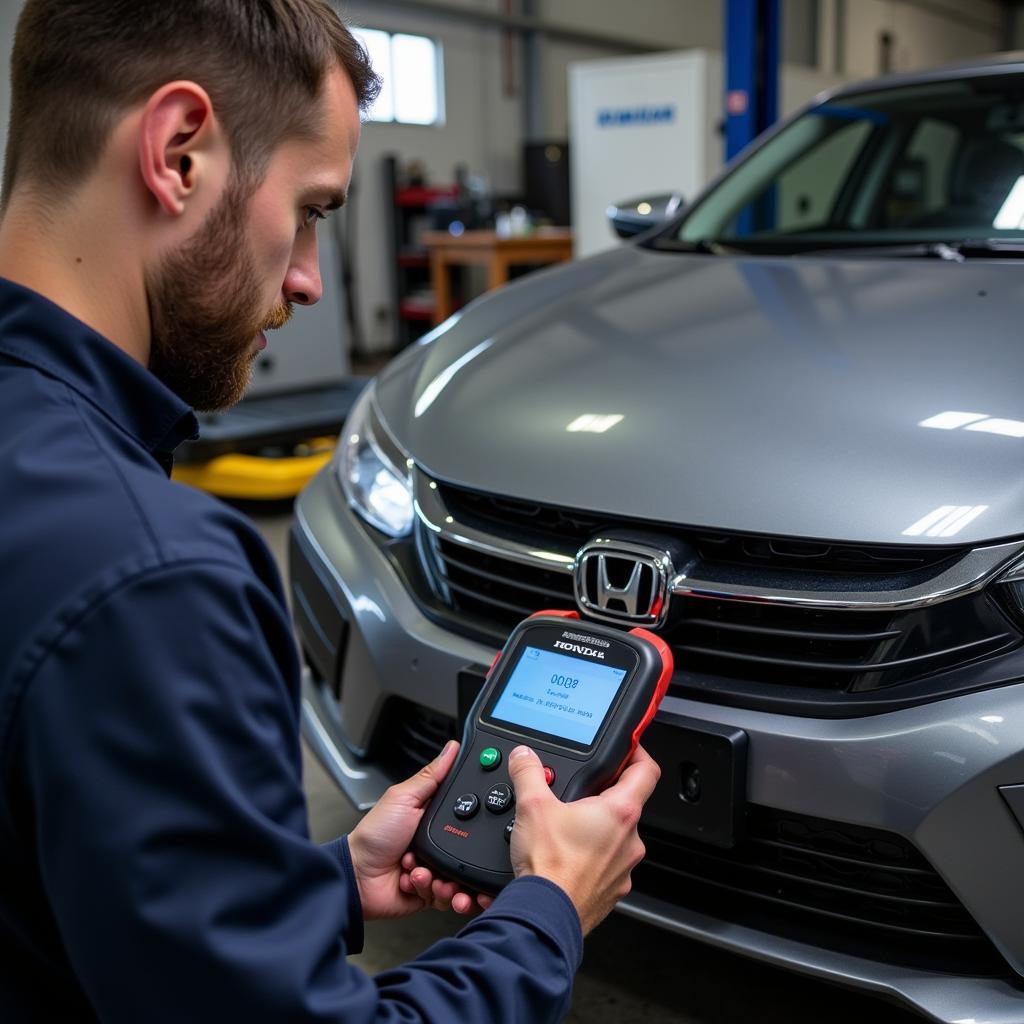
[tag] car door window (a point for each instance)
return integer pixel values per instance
(807, 192)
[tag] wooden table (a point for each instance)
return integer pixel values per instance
(485, 248)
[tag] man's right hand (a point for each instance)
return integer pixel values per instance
(587, 847)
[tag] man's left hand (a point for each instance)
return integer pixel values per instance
(391, 883)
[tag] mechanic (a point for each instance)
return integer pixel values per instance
(166, 167)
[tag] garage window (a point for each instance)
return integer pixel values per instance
(410, 69)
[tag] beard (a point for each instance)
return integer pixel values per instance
(204, 314)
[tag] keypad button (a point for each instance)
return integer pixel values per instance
(466, 805)
(511, 824)
(499, 798)
(490, 758)
(549, 775)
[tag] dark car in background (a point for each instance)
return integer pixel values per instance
(786, 431)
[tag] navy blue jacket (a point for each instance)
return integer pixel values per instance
(155, 860)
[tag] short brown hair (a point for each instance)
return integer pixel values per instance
(78, 64)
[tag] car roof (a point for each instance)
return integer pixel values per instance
(1010, 62)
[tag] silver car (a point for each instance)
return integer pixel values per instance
(785, 430)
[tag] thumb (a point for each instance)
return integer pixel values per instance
(526, 772)
(423, 785)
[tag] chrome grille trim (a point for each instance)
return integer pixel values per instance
(431, 510)
(970, 574)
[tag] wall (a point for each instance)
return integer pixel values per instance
(800, 32)
(925, 33)
(663, 24)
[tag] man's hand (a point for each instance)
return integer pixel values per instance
(588, 847)
(391, 884)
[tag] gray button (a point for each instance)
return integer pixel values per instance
(499, 798)
(466, 806)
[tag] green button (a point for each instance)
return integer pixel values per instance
(490, 758)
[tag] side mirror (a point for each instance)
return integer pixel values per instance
(639, 215)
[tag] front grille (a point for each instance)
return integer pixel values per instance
(858, 890)
(568, 530)
(408, 736)
(831, 651)
(837, 650)
(496, 589)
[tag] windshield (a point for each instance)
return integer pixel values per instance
(940, 162)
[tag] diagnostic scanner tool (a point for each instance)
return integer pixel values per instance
(580, 695)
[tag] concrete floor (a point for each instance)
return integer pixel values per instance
(631, 972)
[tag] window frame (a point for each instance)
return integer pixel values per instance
(439, 79)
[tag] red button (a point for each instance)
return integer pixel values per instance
(549, 775)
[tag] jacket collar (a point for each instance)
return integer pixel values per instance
(35, 331)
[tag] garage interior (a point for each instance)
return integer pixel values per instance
(498, 149)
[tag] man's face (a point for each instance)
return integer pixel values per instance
(255, 256)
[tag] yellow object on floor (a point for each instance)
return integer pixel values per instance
(258, 477)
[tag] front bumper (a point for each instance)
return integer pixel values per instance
(930, 774)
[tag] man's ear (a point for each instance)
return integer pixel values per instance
(178, 139)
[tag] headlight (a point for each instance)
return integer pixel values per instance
(1011, 585)
(376, 487)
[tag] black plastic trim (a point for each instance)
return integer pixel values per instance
(788, 877)
(320, 622)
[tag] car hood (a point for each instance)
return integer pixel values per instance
(781, 396)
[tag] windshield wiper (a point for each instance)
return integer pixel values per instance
(969, 248)
(986, 248)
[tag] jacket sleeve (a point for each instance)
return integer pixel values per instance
(160, 748)
(353, 937)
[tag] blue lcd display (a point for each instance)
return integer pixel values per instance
(558, 695)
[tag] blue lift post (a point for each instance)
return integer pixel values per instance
(752, 40)
(752, 36)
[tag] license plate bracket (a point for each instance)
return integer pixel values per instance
(702, 790)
